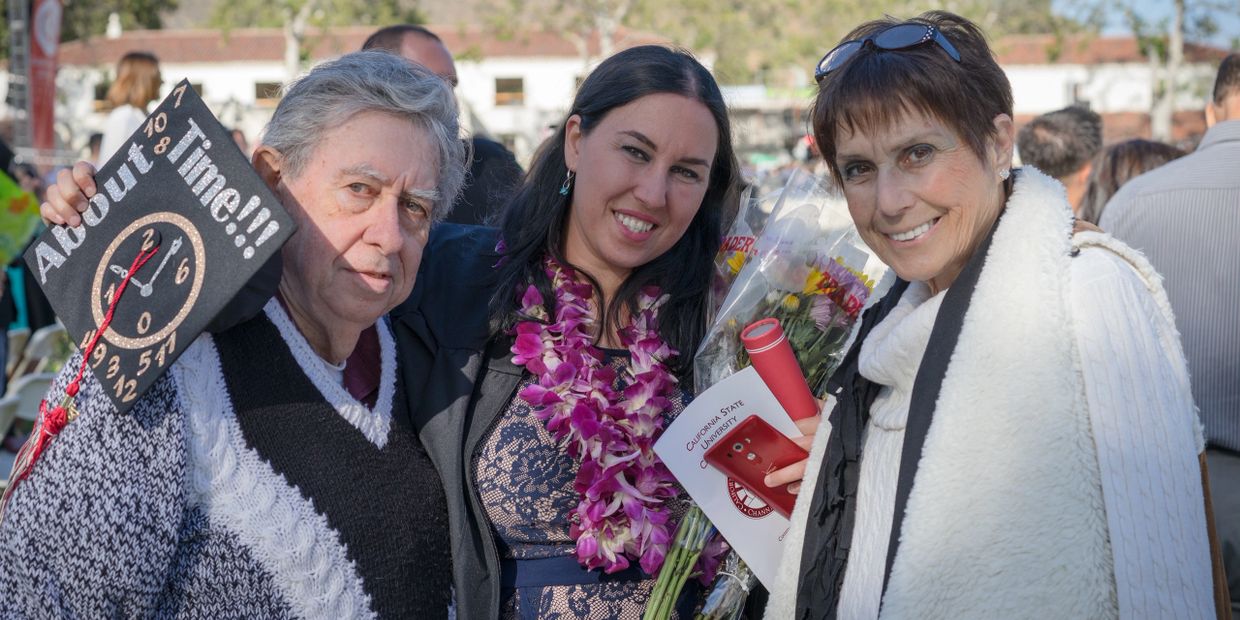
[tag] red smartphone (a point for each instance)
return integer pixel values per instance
(752, 450)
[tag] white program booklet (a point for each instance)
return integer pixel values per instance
(750, 526)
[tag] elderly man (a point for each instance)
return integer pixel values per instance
(493, 171)
(253, 480)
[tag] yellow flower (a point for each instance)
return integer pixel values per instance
(864, 279)
(736, 262)
(812, 281)
(791, 302)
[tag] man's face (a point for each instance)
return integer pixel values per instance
(431, 54)
(363, 204)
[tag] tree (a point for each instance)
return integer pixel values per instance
(749, 40)
(81, 19)
(1162, 39)
(87, 18)
(296, 17)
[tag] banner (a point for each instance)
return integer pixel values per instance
(44, 44)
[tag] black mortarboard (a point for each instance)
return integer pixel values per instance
(181, 192)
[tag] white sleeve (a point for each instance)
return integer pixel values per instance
(1148, 439)
(121, 123)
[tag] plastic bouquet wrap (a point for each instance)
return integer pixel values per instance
(807, 267)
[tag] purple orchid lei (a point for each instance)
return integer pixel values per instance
(623, 486)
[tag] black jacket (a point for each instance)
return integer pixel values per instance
(457, 381)
(493, 178)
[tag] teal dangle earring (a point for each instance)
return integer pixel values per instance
(568, 183)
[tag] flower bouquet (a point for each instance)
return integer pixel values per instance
(809, 268)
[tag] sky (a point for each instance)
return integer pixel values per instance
(1228, 21)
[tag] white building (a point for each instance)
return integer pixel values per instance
(1109, 75)
(515, 90)
(511, 90)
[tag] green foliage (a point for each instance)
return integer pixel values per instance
(86, 18)
(229, 14)
(757, 40)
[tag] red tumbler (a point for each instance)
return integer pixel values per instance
(773, 359)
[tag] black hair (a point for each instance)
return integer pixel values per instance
(874, 87)
(1228, 80)
(1060, 143)
(533, 225)
(390, 38)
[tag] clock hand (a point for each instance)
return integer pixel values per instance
(149, 287)
(122, 272)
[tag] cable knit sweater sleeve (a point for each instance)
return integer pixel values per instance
(1146, 431)
(92, 532)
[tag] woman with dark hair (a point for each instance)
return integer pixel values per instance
(551, 352)
(1116, 165)
(1013, 434)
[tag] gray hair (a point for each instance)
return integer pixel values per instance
(369, 81)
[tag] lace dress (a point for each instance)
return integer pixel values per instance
(526, 484)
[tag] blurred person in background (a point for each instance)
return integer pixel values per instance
(238, 137)
(494, 173)
(1118, 164)
(137, 84)
(27, 176)
(94, 145)
(1185, 216)
(1063, 144)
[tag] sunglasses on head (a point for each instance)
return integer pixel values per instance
(895, 38)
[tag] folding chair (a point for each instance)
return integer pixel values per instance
(17, 347)
(8, 411)
(40, 349)
(29, 391)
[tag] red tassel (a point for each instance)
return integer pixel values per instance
(52, 421)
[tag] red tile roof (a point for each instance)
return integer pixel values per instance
(267, 44)
(1039, 49)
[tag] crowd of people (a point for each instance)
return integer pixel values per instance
(1015, 431)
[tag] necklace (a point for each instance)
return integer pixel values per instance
(623, 487)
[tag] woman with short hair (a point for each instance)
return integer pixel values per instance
(1013, 434)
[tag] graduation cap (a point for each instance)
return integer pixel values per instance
(180, 224)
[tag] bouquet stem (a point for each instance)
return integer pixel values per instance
(695, 529)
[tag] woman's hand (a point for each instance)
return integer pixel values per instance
(794, 473)
(66, 200)
(1080, 226)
